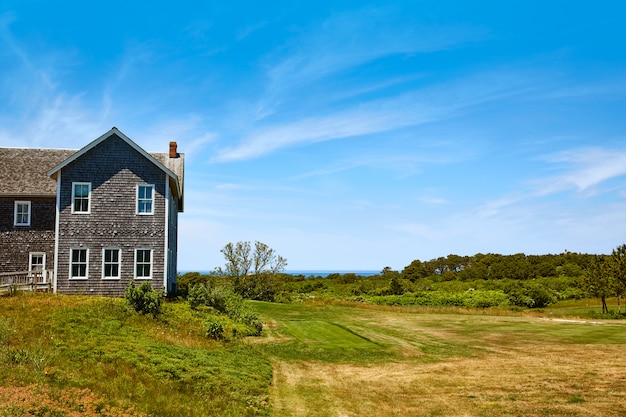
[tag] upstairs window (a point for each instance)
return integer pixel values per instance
(79, 263)
(22, 213)
(145, 199)
(81, 194)
(111, 263)
(143, 263)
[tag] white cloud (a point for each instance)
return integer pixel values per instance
(352, 38)
(591, 167)
(407, 109)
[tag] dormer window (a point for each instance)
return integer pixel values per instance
(145, 199)
(81, 196)
(22, 213)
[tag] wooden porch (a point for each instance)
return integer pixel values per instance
(11, 282)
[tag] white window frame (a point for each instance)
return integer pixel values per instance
(15, 213)
(118, 263)
(86, 263)
(30, 260)
(140, 200)
(151, 264)
(74, 211)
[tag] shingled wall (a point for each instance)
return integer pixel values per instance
(114, 169)
(17, 242)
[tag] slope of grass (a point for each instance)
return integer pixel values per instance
(163, 367)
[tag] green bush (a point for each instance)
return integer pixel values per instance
(530, 295)
(470, 298)
(225, 301)
(214, 328)
(144, 299)
(186, 281)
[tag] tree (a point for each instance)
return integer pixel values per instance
(253, 273)
(599, 280)
(395, 285)
(237, 257)
(266, 259)
(415, 271)
(618, 267)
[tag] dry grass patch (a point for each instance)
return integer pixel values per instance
(531, 380)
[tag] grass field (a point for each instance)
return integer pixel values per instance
(81, 356)
(344, 360)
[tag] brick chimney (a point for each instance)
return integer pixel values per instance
(173, 150)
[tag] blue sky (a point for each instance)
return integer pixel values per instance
(344, 134)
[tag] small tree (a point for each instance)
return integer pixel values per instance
(599, 281)
(144, 299)
(618, 267)
(253, 272)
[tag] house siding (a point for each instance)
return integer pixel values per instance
(17, 242)
(114, 170)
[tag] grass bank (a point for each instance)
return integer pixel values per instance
(96, 353)
(86, 356)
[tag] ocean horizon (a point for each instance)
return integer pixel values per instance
(315, 272)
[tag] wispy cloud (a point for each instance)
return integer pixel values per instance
(347, 40)
(353, 122)
(585, 170)
(590, 167)
(408, 109)
(352, 38)
(248, 30)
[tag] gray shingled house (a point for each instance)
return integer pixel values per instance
(93, 219)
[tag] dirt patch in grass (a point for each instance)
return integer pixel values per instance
(530, 379)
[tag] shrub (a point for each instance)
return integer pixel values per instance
(214, 328)
(186, 281)
(225, 301)
(531, 295)
(144, 299)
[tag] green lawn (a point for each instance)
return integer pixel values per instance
(88, 356)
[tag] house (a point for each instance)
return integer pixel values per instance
(92, 219)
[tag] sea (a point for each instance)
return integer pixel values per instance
(325, 273)
(315, 273)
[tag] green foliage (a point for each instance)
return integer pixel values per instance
(225, 301)
(395, 286)
(174, 370)
(144, 299)
(254, 273)
(530, 295)
(469, 299)
(189, 279)
(214, 328)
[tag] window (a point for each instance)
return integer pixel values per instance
(79, 263)
(37, 261)
(111, 261)
(145, 199)
(22, 213)
(81, 194)
(143, 263)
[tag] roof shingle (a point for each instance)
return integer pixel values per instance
(24, 171)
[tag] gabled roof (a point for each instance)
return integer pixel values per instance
(30, 172)
(173, 167)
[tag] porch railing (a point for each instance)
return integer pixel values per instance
(25, 281)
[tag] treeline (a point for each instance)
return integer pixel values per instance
(478, 281)
(495, 267)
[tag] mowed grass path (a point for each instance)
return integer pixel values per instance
(350, 360)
